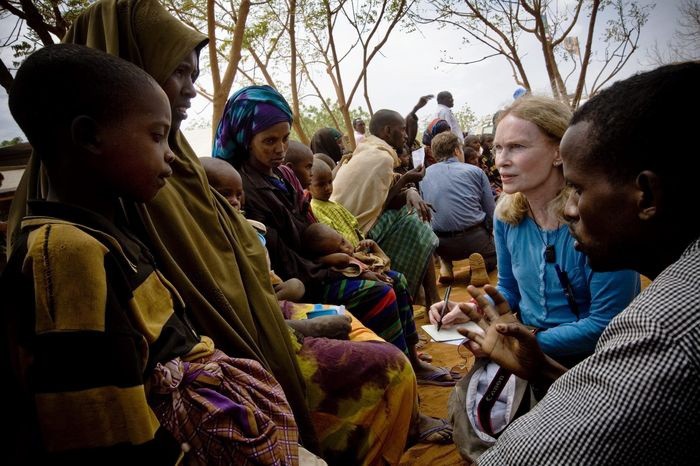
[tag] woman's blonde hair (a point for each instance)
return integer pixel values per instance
(552, 118)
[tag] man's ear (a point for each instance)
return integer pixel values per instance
(651, 194)
(384, 133)
(85, 133)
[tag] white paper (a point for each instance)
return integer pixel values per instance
(418, 156)
(450, 334)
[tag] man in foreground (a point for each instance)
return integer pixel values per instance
(636, 400)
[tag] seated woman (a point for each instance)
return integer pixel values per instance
(371, 427)
(540, 272)
(253, 137)
(328, 141)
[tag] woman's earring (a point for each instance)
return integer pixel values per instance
(557, 163)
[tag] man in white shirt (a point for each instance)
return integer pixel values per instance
(445, 102)
(358, 125)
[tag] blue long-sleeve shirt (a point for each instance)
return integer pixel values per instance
(531, 286)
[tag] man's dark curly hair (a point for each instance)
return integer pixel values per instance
(631, 121)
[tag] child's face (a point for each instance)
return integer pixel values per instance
(404, 157)
(472, 159)
(331, 242)
(268, 147)
(302, 169)
(230, 185)
(134, 156)
(321, 186)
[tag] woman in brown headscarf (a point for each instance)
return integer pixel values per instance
(328, 141)
(206, 249)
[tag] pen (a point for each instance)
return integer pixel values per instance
(442, 312)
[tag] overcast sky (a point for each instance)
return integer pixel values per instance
(410, 66)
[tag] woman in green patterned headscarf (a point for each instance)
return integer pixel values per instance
(205, 248)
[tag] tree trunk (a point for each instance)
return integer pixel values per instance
(6, 78)
(221, 94)
(293, 78)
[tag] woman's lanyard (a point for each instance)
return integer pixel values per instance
(567, 289)
(550, 257)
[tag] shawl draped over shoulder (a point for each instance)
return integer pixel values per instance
(204, 247)
(363, 181)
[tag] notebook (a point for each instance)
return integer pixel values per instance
(450, 335)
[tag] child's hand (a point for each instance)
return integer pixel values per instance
(367, 245)
(290, 290)
(369, 275)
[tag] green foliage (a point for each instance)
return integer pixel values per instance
(57, 16)
(11, 142)
(314, 118)
(466, 118)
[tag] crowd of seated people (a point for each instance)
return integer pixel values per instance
(182, 284)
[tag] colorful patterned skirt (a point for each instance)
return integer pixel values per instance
(362, 394)
(383, 308)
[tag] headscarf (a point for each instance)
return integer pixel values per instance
(247, 112)
(437, 126)
(202, 245)
(325, 141)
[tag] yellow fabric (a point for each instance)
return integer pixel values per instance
(358, 331)
(75, 416)
(204, 348)
(205, 248)
(337, 217)
(363, 181)
(67, 301)
(147, 307)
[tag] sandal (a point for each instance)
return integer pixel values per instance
(440, 433)
(440, 377)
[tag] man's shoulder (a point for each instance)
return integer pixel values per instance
(374, 151)
(471, 169)
(442, 110)
(667, 312)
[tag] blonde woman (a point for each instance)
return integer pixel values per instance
(540, 273)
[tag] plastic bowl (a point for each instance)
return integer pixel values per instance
(321, 312)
